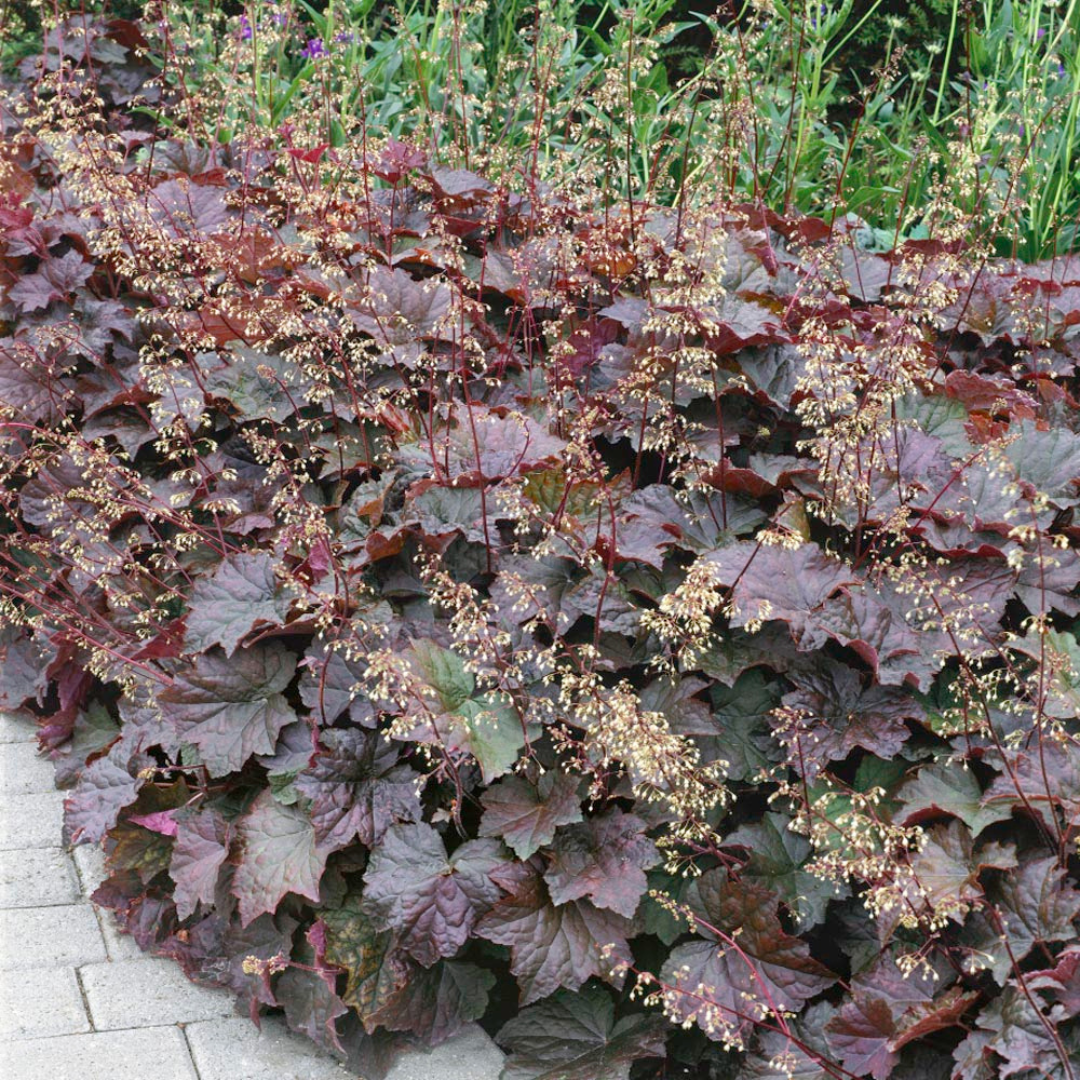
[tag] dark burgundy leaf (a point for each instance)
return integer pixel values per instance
(180, 208)
(572, 1036)
(553, 947)
(430, 900)
(1044, 780)
(57, 278)
(104, 788)
(830, 713)
(397, 310)
(1024, 1040)
(309, 998)
(604, 859)
(277, 854)
(754, 967)
(201, 848)
(888, 1010)
(1062, 981)
(241, 594)
(526, 815)
(357, 788)
(28, 385)
(778, 583)
(1036, 903)
(877, 623)
(231, 708)
(436, 1003)
(331, 684)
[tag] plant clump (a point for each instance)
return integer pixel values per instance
(646, 627)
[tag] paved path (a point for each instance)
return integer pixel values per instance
(79, 1001)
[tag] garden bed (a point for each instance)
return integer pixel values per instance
(644, 626)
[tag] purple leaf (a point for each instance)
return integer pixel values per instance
(241, 594)
(104, 788)
(357, 788)
(201, 848)
(604, 859)
(161, 822)
(778, 583)
(430, 900)
(886, 1012)
(759, 969)
(526, 815)
(232, 708)
(436, 1003)
(553, 947)
(830, 713)
(277, 855)
(57, 278)
(576, 1037)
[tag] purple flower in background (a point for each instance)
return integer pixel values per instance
(313, 48)
(1040, 33)
(279, 18)
(245, 28)
(345, 37)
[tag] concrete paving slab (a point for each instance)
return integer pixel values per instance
(14, 728)
(31, 821)
(137, 1054)
(142, 993)
(90, 861)
(35, 1004)
(469, 1055)
(41, 878)
(118, 945)
(49, 937)
(22, 771)
(237, 1050)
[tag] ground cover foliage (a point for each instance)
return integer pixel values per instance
(649, 631)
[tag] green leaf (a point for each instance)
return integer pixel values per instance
(948, 789)
(444, 672)
(261, 386)
(374, 967)
(478, 723)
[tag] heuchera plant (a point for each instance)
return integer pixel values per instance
(650, 632)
